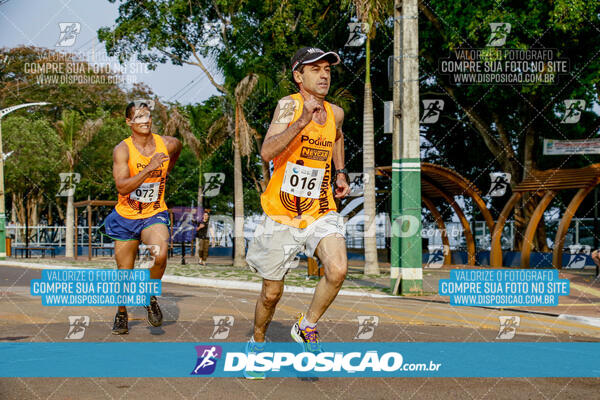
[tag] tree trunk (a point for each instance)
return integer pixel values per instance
(35, 208)
(200, 190)
(13, 211)
(239, 259)
(49, 213)
(371, 263)
(19, 206)
(70, 228)
(61, 213)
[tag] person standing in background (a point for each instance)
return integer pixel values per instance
(202, 243)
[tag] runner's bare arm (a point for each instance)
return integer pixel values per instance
(280, 134)
(338, 146)
(174, 147)
(126, 184)
(338, 156)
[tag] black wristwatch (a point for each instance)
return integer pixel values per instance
(342, 171)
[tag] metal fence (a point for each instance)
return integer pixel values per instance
(54, 235)
(221, 232)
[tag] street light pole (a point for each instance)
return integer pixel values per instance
(406, 261)
(2, 200)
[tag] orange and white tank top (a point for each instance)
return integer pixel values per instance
(299, 191)
(149, 198)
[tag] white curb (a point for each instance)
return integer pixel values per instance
(206, 282)
(580, 318)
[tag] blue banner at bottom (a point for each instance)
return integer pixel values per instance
(349, 359)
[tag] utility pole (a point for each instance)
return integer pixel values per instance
(406, 260)
(2, 200)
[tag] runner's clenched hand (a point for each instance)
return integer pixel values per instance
(157, 160)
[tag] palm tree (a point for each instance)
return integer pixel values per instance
(202, 147)
(368, 12)
(75, 135)
(242, 146)
(202, 144)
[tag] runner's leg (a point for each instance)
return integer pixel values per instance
(157, 235)
(125, 253)
(265, 307)
(332, 253)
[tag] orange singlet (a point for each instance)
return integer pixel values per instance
(149, 198)
(300, 191)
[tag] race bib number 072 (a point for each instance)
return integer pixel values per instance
(302, 181)
(146, 192)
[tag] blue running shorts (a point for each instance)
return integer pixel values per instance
(120, 228)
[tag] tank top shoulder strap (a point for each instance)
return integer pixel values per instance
(161, 146)
(297, 97)
(129, 143)
(329, 110)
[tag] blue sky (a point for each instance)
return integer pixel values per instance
(36, 23)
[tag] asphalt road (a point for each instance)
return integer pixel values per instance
(189, 313)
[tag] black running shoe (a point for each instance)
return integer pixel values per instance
(120, 325)
(155, 316)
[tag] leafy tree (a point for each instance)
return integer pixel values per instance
(75, 133)
(27, 75)
(33, 74)
(31, 170)
(508, 121)
(370, 13)
(95, 161)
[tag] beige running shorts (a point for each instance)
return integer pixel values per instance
(274, 247)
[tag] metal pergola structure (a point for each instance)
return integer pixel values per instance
(546, 184)
(440, 184)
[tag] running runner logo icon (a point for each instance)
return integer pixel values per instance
(213, 180)
(432, 109)
(148, 253)
(366, 326)
(77, 325)
(436, 257)
(289, 251)
(212, 33)
(207, 359)
(500, 31)
(223, 324)
(68, 33)
(573, 109)
(287, 108)
(499, 183)
(357, 183)
(578, 257)
(508, 327)
(68, 183)
(358, 34)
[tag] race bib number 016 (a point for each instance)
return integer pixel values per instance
(146, 192)
(302, 181)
